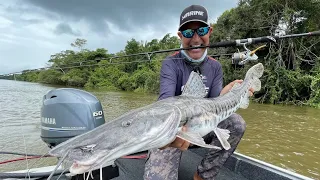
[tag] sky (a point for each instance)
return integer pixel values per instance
(33, 30)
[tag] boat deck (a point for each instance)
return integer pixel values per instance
(237, 167)
(133, 168)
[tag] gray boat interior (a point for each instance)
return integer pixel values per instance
(237, 167)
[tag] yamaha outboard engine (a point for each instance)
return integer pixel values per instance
(68, 112)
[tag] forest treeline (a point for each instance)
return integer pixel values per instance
(292, 68)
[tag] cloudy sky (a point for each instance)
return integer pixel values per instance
(32, 30)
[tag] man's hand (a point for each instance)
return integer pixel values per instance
(179, 143)
(228, 87)
(196, 176)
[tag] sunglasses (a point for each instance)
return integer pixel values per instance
(201, 31)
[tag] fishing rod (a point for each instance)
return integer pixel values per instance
(237, 42)
(237, 58)
(82, 64)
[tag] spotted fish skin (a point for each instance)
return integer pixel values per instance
(207, 113)
(158, 124)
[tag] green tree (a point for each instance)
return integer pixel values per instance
(288, 63)
(79, 43)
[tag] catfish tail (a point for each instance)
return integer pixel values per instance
(253, 75)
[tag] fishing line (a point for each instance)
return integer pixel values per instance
(17, 153)
(81, 63)
(147, 60)
(25, 148)
(45, 155)
(114, 63)
(20, 159)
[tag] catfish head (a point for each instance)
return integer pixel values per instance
(152, 126)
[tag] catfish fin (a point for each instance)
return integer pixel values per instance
(194, 86)
(223, 136)
(256, 84)
(196, 139)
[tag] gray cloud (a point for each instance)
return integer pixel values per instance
(129, 15)
(64, 28)
(21, 8)
(32, 30)
(31, 21)
(21, 21)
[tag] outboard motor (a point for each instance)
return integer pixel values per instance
(68, 112)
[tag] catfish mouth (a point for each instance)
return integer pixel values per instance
(78, 169)
(88, 162)
(93, 161)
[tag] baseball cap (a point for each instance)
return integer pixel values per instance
(194, 13)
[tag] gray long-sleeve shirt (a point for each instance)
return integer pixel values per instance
(175, 73)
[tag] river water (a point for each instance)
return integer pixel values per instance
(285, 136)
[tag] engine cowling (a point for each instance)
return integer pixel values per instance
(68, 112)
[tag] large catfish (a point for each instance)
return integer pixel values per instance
(158, 124)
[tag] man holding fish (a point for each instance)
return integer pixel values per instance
(193, 108)
(194, 30)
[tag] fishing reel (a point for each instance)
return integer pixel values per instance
(240, 58)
